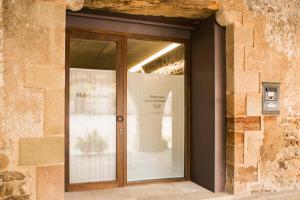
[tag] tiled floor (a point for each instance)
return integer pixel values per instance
(172, 191)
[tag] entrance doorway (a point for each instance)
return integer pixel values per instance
(126, 110)
(145, 101)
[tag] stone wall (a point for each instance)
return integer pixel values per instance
(32, 41)
(263, 43)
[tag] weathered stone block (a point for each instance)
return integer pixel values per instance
(259, 28)
(51, 79)
(53, 10)
(272, 141)
(246, 81)
(239, 104)
(227, 17)
(232, 5)
(229, 188)
(235, 57)
(239, 35)
(235, 154)
(37, 151)
(25, 112)
(230, 35)
(256, 58)
(253, 142)
(57, 47)
(54, 112)
(50, 182)
(13, 185)
(4, 161)
(229, 80)
(235, 137)
(276, 68)
(229, 173)
(244, 123)
(254, 104)
(175, 8)
(248, 16)
(245, 174)
(239, 188)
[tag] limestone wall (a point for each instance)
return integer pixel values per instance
(32, 36)
(263, 45)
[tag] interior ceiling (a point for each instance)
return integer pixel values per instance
(92, 54)
(189, 9)
(102, 55)
(139, 50)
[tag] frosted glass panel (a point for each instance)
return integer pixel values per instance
(92, 114)
(155, 105)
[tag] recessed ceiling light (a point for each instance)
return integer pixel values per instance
(153, 57)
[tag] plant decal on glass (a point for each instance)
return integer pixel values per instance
(92, 142)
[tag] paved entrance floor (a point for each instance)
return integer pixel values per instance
(172, 191)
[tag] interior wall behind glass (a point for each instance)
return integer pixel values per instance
(155, 106)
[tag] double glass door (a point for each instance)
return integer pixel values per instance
(126, 110)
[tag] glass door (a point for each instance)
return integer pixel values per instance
(95, 111)
(125, 116)
(155, 110)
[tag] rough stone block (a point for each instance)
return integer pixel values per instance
(253, 142)
(13, 185)
(229, 188)
(235, 137)
(243, 35)
(178, 8)
(276, 67)
(272, 141)
(235, 154)
(4, 161)
(244, 123)
(245, 174)
(230, 35)
(239, 188)
(50, 182)
(229, 173)
(248, 16)
(259, 28)
(239, 35)
(51, 79)
(46, 10)
(246, 81)
(235, 57)
(37, 151)
(57, 47)
(225, 17)
(229, 80)
(54, 112)
(256, 58)
(25, 112)
(230, 154)
(239, 104)
(254, 104)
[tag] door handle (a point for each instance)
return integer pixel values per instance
(120, 118)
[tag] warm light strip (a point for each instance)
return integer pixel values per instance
(154, 56)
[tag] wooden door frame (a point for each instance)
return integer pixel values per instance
(119, 110)
(122, 38)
